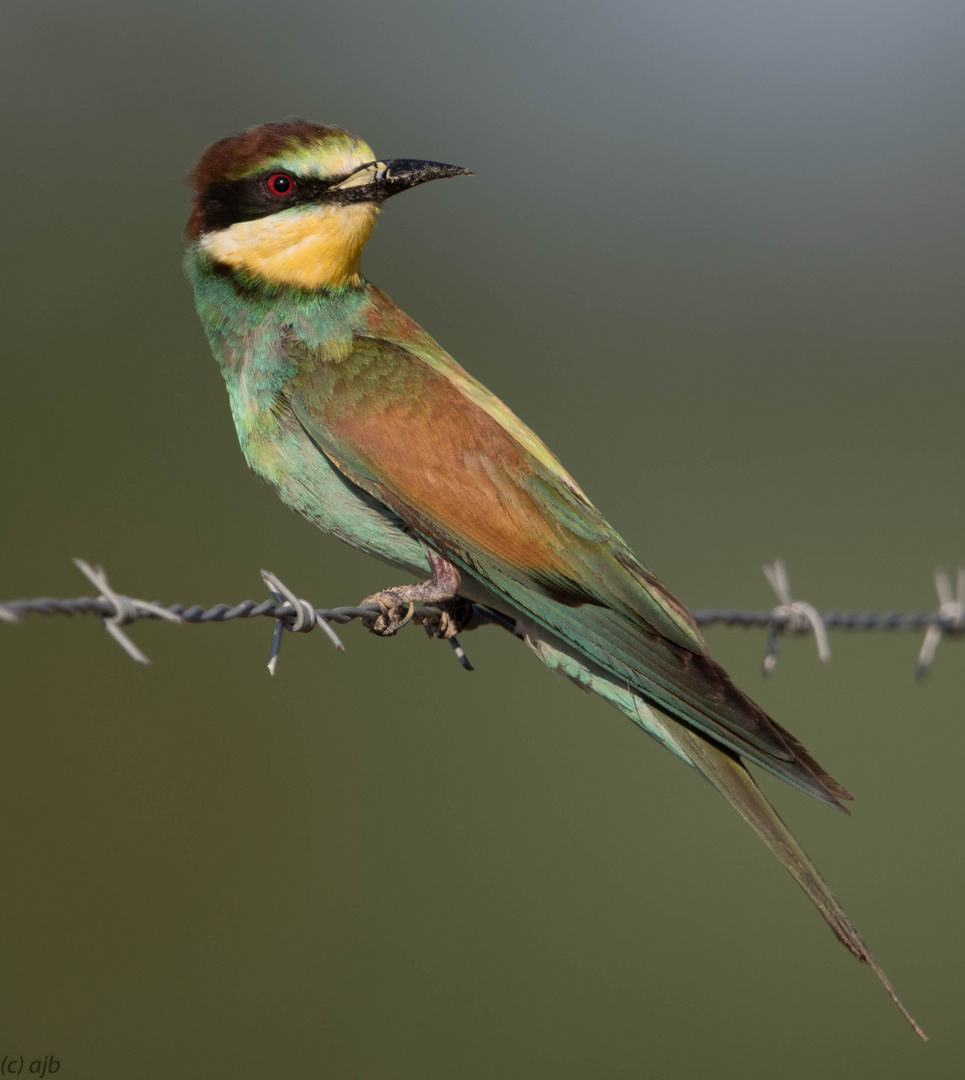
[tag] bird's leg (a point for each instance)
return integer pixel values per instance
(440, 589)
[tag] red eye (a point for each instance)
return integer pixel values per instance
(280, 183)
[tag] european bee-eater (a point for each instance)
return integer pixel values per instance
(374, 433)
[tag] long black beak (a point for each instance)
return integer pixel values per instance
(379, 180)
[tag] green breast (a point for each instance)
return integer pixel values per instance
(260, 338)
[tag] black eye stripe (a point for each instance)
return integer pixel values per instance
(228, 202)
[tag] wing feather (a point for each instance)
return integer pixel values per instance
(485, 492)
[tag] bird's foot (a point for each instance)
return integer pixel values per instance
(394, 612)
(396, 605)
(453, 617)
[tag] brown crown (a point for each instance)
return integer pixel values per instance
(236, 154)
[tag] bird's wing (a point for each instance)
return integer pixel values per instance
(408, 425)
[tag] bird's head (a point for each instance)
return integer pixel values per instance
(291, 203)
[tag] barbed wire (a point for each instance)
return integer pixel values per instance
(789, 617)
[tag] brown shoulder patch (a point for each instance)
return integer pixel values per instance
(438, 453)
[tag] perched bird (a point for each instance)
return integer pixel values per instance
(374, 433)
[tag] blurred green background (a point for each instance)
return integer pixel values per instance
(713, 253)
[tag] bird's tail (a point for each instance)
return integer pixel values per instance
(736, 784)
(727, 774)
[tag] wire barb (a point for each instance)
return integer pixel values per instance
(791, 617)
(289, 612)
(951, 613)
(126, 609)
(306, 618)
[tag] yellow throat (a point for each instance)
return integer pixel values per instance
(315, 247)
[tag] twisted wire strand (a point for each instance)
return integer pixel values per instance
(290, 612)
(271, 609)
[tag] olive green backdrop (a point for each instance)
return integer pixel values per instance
(713, 253)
